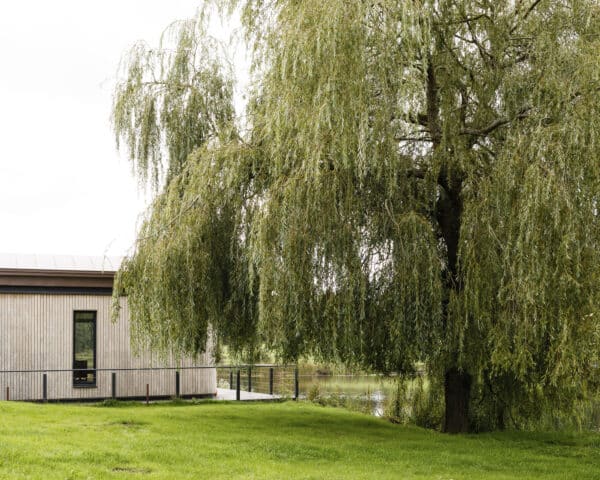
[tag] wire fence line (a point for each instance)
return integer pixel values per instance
(201, 381)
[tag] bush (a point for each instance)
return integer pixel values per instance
(427, 406)
(314, 393)
(417, 402)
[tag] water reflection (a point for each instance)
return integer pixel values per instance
(367, 393)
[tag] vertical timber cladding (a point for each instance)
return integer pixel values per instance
(36, 333)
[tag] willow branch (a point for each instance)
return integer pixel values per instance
(433, 107)
(529, 10)
(414, 139)
(470, 19)
(499, 122)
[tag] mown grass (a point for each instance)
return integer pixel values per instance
(268, 441)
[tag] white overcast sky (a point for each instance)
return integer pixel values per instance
(64, 188)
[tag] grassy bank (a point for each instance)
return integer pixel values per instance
(265, 441)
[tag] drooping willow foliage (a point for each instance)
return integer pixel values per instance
(172, 100)
(419, 182)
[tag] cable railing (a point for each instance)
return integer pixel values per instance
(227, 382)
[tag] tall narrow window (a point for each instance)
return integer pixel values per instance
(84, 349)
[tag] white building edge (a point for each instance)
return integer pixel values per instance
(58, 342)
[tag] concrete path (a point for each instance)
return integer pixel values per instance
(227, 394)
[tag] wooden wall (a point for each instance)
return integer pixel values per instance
(36, 333)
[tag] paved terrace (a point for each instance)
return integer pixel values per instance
(228, 394)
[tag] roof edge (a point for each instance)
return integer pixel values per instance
(20, 272)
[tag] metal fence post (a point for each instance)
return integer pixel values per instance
(237, 385)
(271, 381)
(147, 393)
(7, 394)
(249, 379)
(177, 384)
(230, 379)
(45, 387)
(113, 382)
(296, 384)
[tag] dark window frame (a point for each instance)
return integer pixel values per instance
(77, 381)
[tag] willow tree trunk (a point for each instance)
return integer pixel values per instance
(457, 393)
(457, 383)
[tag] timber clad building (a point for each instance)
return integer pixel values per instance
(57, 340)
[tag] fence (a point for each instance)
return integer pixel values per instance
(277, 380)
(147, 383)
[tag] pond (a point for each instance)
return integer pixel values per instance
(362, 392)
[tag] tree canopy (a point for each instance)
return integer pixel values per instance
(415, 181)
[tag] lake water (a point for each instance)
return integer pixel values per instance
(363, 392)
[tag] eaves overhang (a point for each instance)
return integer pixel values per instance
(11, 277)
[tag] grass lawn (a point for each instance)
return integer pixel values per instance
(262, 441)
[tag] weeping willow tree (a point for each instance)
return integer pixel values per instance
(416, 181)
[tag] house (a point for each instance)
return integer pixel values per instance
(58, 342)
